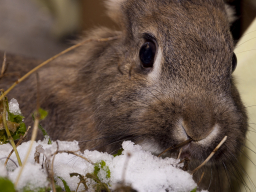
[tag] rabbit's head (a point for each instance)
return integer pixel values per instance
(175, 82)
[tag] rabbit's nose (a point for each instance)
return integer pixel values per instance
(202, 137)
(198, 123)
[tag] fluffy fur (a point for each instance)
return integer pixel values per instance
(191, 94)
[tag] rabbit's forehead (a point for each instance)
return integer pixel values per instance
(187, 26)
(195, 41)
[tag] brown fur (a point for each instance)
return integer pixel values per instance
(90, 101)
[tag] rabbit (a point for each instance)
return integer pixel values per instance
(164, 78)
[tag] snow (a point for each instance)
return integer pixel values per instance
(31, 175)
(3, 171)
(14, 107)
(143, 171)
(135, 167)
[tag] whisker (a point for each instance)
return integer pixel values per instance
(246, 51)
(218, 178)
(248, 148)
(155, 96)
(11, 161)
(210, 180)
(253, 131)
(251, 142)
(236, 173)
(116, 141)
(244, 154)
(226, 171)
(239, 176)
(251, 105)
(248, 33)
(244, 42)
(243, 171)
(95, 139)
(175, 147)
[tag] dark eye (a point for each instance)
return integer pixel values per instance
(234, 62)
(147, 54)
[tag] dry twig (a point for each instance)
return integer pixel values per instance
(3, 66)
(125, 166)
(73, 153)
(8, 132)
(179, 153)
(201, 178)
(33, 138)
(52, 58)
(51, 172)
(175, 147)
(34, 134)
(210, 156)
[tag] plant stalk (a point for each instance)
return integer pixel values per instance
(9, 134)
(33, 138)
(52, 58)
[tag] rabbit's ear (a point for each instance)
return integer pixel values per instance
(114, 8)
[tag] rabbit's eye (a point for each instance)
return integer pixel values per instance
(234, 62)
(147, 54)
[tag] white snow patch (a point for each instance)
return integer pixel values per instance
(14, 107)
(144, 172)
(3, 170)
(33, 176)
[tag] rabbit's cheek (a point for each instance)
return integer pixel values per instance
(151, 146)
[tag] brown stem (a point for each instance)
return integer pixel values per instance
(3, 65)
(176, 147)
(54, 57)
(210, 156)
(9, 134)
(125, 166)
(34, 134)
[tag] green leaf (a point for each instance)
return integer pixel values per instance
(65, 184)
(16, 135)
(194, 190)
(3, 137)
(15, 118)
(99, 186)
(6, 185)
(101, 165)
(96, 169)
(81, 178)
(119, 152)
(44, 133)
(20, 131)
(43, 114)
(58, 188)
(15, 125)
(47, 189)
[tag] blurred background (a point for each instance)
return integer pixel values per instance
(42, 28)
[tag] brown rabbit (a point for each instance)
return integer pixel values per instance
(179, 54)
